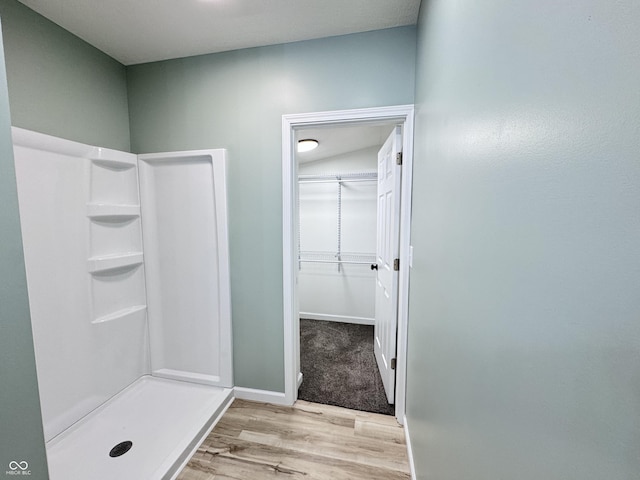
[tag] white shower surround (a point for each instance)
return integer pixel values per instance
(95, 294)
(184, 220)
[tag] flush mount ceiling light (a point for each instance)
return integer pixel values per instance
(306, 145)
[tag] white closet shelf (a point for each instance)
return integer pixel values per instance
(338, 177)
(343, 262)
(111, 262)
(353, 258)
(112, 210)
(123, 313)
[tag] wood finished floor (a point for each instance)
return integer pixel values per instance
(255, 441)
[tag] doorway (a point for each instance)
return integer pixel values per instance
(337, 213)
(292, 125)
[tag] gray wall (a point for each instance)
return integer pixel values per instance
(524, 352)
(236, 100)
(60, 85)
(21, 437)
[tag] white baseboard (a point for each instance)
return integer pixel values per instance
(265, 396)
(338, 318)
(407, 437)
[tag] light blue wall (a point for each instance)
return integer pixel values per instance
(21, 436)
(60, 85)
(524, 350)
(236, 100)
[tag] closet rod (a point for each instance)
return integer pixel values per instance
(352, 262)
(338, 177)
(348, 180)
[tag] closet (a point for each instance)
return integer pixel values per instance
(337, 205)
(337, 245)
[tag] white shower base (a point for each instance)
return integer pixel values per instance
(165, 420)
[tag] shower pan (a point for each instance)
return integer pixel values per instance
(128, 278)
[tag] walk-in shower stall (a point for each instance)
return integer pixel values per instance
(128, 278)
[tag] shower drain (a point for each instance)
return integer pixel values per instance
(121, 449)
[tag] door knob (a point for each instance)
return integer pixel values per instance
(374, 266)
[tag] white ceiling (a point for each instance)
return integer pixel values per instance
(139, 31)
(339, 140)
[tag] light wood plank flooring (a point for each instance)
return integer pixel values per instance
(255, 441)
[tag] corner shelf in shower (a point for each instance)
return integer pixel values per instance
(108, 211)
(114, 160)
(119, 314)
(112, 262)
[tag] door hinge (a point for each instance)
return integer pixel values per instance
(393, 364)
(396, 264)
(399, 158)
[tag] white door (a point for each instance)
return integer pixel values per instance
(387, 253)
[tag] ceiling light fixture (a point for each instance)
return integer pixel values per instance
(307, 144)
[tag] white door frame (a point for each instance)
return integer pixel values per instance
(404, 115)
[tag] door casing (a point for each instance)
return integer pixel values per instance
(403, 114)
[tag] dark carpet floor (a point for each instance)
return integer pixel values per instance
(339, 367)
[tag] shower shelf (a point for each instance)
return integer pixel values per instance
(116, 162)
(123, 313)
(112, 262)
(112, 210)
